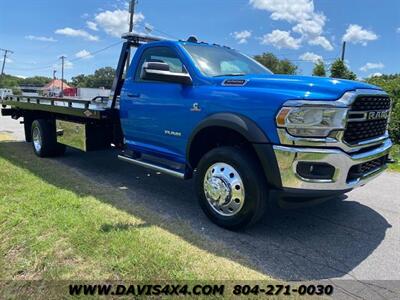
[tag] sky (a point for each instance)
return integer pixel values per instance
(88, 32)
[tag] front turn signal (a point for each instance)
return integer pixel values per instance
(281, 117)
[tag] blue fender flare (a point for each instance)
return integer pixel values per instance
(250, 130)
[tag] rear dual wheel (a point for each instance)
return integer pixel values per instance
(231, 187)
(44, 139)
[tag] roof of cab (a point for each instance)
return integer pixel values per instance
(148, 39)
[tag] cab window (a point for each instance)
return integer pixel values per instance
(161, 54)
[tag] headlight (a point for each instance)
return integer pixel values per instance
(311, 121)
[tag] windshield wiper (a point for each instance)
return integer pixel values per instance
(232, 74)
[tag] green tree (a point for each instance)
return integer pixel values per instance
(79, 81)
(10, 82)
(319, 69)
(35, 81)
(103, 77)
(276, 65)
(340, 70)
(391, 84)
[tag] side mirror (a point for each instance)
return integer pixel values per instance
(159, 71)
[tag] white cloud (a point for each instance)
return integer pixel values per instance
(372, 66)
(321, 41)
(67, 65)
(83, 54)
(40, 38)
(242, 36)
(115, 23)
(8, 60)
(357, 35)
(375, 75)
(398, 30)
(92, 25)
(281, 39)
(286, 10)
(313, 26)
(77, 33)
(310, 56)
(308, 23)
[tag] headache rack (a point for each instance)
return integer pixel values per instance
(133, 40)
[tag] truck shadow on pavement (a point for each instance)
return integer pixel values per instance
(320, 242)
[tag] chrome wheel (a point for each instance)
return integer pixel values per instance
(224, 189)
(37, 139)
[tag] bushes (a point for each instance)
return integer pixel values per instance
(395, 123)
(391, 84)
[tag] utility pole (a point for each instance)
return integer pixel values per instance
(6, 51)
(343, 50)
(62, 75)
(132, 7)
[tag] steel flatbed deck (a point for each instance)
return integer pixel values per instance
(98, 108)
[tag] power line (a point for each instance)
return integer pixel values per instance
(96, 52)
(73, 60)
(164, 33)
(35, 68)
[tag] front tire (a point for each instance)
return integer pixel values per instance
(231, 187)
(44, 139)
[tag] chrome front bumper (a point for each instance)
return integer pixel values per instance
(289, 157)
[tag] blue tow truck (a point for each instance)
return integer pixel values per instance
(250, 139)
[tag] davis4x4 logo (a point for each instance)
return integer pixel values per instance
(377, 115)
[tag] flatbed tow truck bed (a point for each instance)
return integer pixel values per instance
(86, 125)
(97, 109)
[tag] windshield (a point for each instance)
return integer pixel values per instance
(218, 61)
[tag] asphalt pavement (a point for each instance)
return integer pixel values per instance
(356, 237)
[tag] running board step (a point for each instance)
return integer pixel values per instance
(151, 166)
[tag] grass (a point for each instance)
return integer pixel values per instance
(396, 156)
(56, 224)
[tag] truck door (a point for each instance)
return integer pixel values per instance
(154, 114)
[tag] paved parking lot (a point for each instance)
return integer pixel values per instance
(353, 238)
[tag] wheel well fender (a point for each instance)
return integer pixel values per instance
(242, 125)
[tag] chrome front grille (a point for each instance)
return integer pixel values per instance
(368, 119)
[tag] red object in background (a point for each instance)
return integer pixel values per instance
(70, 92)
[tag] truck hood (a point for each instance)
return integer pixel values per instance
(301, 87)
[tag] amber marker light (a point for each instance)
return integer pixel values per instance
(281, 117)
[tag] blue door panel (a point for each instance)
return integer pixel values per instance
(156, 117)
